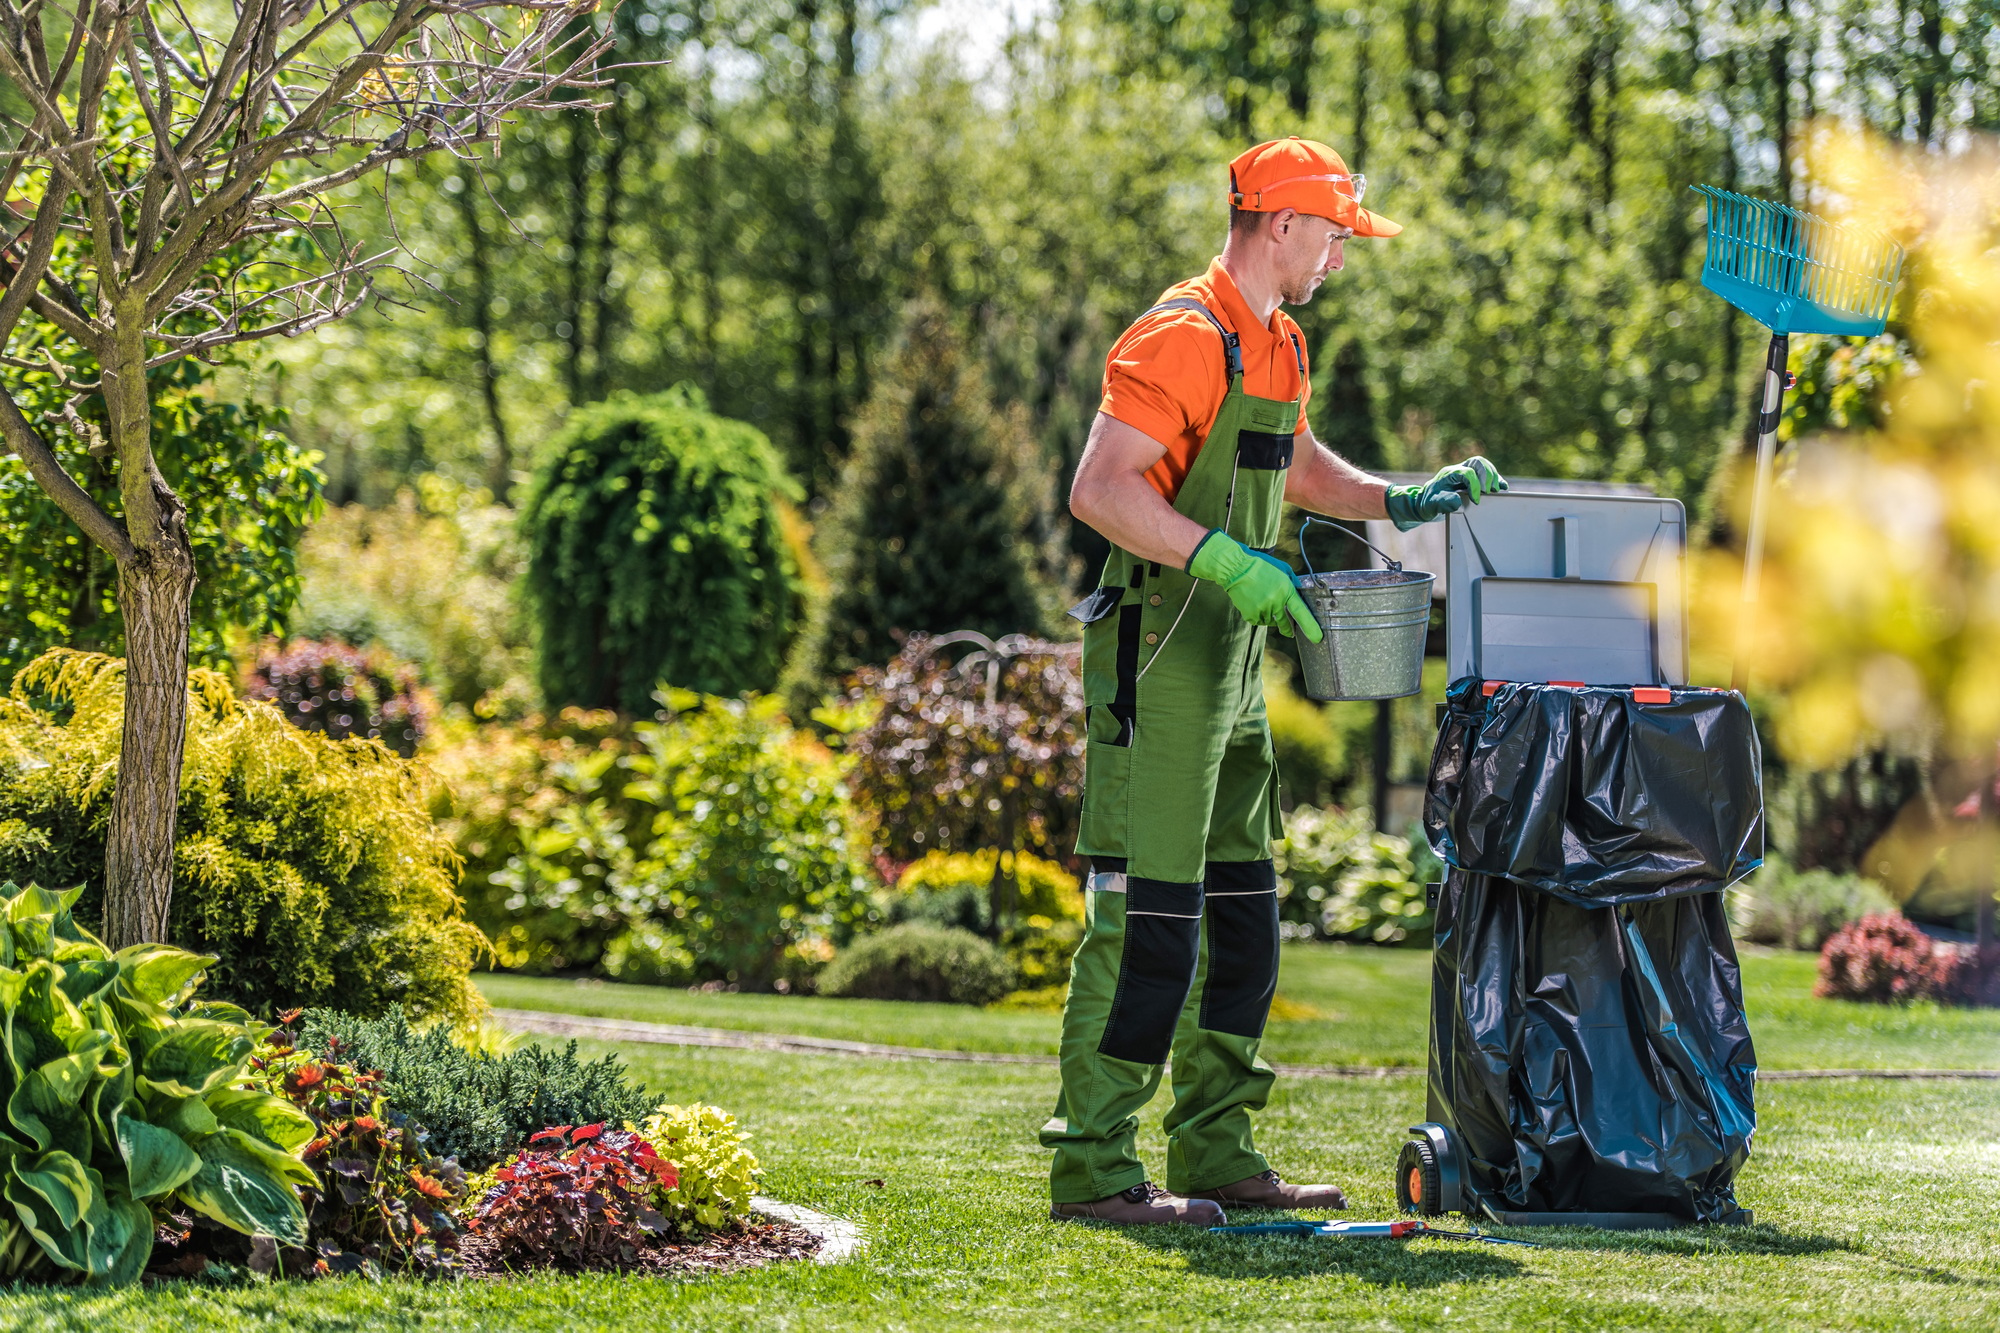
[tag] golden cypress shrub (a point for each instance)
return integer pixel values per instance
(310, 867)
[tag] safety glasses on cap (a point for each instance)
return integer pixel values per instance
(1357, 185)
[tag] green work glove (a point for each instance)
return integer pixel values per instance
(1452, 489)
(1260, 585)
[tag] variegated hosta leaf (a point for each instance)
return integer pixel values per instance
(159, 972)
(114, 1091)
(249, 1186)
(200, 1054)
(274, 1120)
(157, 1161)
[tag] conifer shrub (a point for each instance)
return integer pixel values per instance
(310, 867)
(657, 553)
(944, 518)
(342, 691)
(919, 961)
(478, 1107)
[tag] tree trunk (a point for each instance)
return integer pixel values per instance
(156, 591)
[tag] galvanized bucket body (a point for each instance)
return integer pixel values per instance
(1375, 621)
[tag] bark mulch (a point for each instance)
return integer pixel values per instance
(751, 1245)
(214, 1254)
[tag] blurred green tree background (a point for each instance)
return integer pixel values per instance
(754, 215)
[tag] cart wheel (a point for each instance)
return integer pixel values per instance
(1417, 1186)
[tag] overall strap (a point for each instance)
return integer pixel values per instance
(1232, 346)
(1299, 351)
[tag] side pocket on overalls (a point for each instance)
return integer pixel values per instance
(1107, 775)
(1107, 753)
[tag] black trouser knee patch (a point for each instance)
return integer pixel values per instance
(1242, 978)
(1162, 947)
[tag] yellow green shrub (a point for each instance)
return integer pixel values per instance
(310, 867)
(1043, 922)
(1042, 888)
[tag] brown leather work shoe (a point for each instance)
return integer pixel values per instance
(1145, 1204)
(1266, 1190)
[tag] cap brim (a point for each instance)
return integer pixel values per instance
(1373, 224)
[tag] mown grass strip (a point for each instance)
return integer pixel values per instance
(667, 1034)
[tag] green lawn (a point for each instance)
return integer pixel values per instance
(1878, 1203)
(1373, 1004)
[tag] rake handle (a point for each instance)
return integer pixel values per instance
(1760, 498)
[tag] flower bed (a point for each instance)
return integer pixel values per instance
(165, 1136)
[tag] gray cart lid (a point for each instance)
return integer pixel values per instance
(1589, 588)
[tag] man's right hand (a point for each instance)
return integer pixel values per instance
(1261, 587)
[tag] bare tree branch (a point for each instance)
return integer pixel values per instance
(245, 133)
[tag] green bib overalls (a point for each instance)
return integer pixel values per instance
(1180, 808)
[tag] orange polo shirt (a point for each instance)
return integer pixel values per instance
(1167, 375)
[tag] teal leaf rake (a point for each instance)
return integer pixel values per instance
(1792, 272)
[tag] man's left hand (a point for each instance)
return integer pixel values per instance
(1452, 489)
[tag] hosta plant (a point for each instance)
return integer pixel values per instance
(124, 1095)
(383, 1200)
(716, 1172)
(576, 1198)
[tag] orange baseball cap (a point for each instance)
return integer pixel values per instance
(1298, 173)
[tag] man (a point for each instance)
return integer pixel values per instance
(1201, 439)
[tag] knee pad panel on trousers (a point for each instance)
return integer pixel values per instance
(1156, 970)
(1242, 909)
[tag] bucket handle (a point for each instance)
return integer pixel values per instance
(1394, 566)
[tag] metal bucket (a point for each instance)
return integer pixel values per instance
(1375, 622)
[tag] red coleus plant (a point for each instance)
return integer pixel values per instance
(577, 1198)
(384, 1201)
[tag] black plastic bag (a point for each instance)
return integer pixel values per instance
(1591, 1059)
(1588, 1041)
(1598, 798)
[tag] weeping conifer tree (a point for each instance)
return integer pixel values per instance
(944, 518)
(657, 554)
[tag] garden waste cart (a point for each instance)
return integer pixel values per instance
(1589, 1058)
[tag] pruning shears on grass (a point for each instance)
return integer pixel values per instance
(1365, 1231)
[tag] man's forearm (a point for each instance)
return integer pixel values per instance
(1326, 483)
